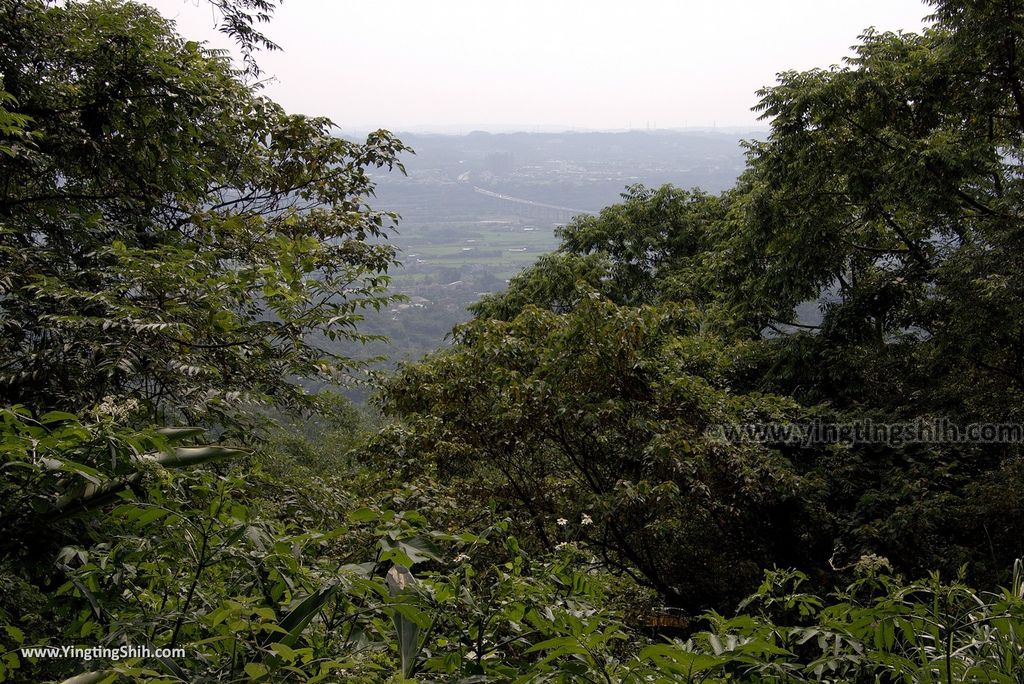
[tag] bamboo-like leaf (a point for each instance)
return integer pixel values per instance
(94, 494)
(187, 456)
(401, 581)
(301, 615)
(90, 677)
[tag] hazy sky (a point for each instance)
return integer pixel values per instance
(529, 64)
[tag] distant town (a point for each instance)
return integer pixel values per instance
(478, 208)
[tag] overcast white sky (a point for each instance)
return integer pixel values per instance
(541, 64)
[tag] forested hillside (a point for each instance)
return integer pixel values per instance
(617, 471)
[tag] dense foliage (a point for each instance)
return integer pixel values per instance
(865, 267)
(168, 233)
(556, 496)
(603, 414)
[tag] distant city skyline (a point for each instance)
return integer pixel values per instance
(454, 66)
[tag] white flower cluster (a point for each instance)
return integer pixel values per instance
(117, 407)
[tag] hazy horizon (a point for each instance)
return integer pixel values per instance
(459, 129)
(457, 66)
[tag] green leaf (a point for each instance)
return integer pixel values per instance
(363, 515)
(410, 551)
(256, 670)
(177, 434)
(57, 417)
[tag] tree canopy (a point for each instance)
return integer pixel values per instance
(167, 232)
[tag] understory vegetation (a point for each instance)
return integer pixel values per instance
(554, 496)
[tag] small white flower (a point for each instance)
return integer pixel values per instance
(561, 545)
(461, 558)
(586, 520)
(562, 522)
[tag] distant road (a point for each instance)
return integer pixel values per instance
(539, 205)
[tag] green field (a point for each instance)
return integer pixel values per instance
(506, 246)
